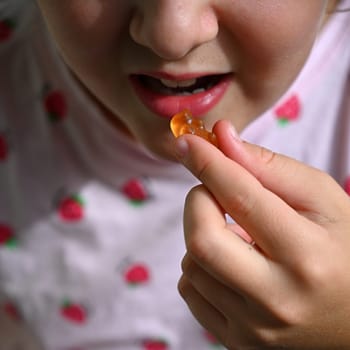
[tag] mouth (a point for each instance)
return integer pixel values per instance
(179, 88)
(167, 95)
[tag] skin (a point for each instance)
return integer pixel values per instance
(288, 289)
(262, 43)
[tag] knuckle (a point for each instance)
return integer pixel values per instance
(193, 192)
(184, 287)
(329, 185)
(194, 199)
(266, 338)
(314, 266)
(267, 156)
(316, 273)
(199, 238)
(188, 266)
(287, 308)
(198, 248)
(205, 171)
(289, 313)
(242, 204)
(275, 162)
(325, 177)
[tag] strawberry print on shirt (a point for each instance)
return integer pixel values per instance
(212, 341)
(11, 311)
(137, 274)
(7, 26)
(155, 344)
(146, 214)
(288, 111)
(347, 185)
(55, 105)
(7, 236)
(136, 190)
(74, 312)
(71, 208)
(4, 148)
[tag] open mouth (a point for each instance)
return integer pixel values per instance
(165, 97)
(180, 88)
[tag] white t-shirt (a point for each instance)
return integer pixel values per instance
(91, 223)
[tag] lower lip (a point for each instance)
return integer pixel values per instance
(168, 105)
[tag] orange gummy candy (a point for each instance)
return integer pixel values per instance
(184, 123)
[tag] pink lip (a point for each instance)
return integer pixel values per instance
(168, 105)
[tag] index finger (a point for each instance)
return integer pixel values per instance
(296, 183)
(226, 256)
(276, 227)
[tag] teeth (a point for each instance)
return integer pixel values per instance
(176, 84)
(197, 91)
(169, 83)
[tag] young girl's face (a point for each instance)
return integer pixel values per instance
(146, 60)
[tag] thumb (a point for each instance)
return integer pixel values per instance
(303, 187)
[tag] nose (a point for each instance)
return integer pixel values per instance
(173, 28)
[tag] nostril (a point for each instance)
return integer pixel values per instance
(135, 28)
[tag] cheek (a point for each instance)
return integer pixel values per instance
(272, 41)
(272, 29)
(84, 28)
(89, 34)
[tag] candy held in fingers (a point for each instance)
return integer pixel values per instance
(184, 123)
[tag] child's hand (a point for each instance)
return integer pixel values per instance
(291, 288)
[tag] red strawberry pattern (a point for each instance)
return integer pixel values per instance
(135, 190)
(55, 105)
(7, 237)
(4, 149)
(7, 26)
(137, 274)
(288, 111)
(12, 311)
(212, 339)
(71, 208)
(347, 185)
(155, 344)
(74, 312)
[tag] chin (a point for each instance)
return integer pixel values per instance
(161, 153)
(163, 149)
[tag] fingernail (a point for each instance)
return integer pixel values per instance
(181, 147)
(234, 133)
